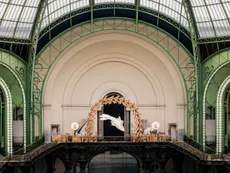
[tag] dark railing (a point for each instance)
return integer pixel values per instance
(3, 152)
(29, 147)
(199, 146)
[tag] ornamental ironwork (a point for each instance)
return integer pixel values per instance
(138, 130)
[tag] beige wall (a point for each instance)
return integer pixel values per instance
(114, 61)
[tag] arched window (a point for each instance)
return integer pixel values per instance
(105, 129)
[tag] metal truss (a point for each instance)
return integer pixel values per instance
(215, 70)
(15, 77)
(146, 6)
(42, 65)
(115, 6)
(195, 90)
(214, 40)
(14, 40)
(30, 96)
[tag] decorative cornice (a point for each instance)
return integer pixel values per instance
(181, 104)
(47, 105)
(140, 105)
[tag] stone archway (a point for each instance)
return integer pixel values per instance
(114, 100)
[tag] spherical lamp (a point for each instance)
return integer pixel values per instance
(74, 126)
(155, 125)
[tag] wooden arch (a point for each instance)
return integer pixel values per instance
(114, 100)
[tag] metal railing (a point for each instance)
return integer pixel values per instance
(199, 146)
(29, 147)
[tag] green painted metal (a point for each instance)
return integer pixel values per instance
(17, 64)
(213, 62)
(42, 65)
(194, 104)
(28, 110)
(13, 72)
(225, 115)
(13, 85)
(115, 5)
(35, 35)
(213, 66)
(8, 122)
(220, 115)
(1, 117)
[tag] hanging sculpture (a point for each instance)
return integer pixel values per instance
(116, 122)
(114, 100)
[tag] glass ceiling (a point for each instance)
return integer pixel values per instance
(212, 17)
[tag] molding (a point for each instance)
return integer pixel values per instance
(181, 105)
(46, 105)
(150, 105)
(80, 106)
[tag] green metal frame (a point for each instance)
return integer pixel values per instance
(16, 63)
(197, 90)
(114, 5)
(211, 66)
(35, 37)
(124, 5)
(42, 67)
(1, 114)
(16, 66)
(225, 114)
(8, 136)
(220, 133)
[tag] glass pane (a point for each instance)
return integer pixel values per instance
(23, 30)
(205, 29)
(28, 14)
(7, 28)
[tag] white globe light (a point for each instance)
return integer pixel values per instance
(155, 125)
(74, 126)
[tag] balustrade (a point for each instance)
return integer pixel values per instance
(133, 138)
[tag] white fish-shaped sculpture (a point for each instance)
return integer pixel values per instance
(116, 122)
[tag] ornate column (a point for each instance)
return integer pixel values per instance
(68, 167)
(162, 155)
(162, 162)
(147, 160)
(82, 166)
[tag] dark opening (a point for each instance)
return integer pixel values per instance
(114, 110)
(113, 162)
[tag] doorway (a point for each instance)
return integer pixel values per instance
(172, 131)
(105, 129)
(114, 110)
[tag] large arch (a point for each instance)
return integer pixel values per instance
(23, 100)
(18, 68)
(219, 115)
(9, 120)
(211, 67)
(171, 49)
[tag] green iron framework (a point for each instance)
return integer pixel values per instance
(13, 81)
(42, 66)
(193, 81)
(216, 70)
